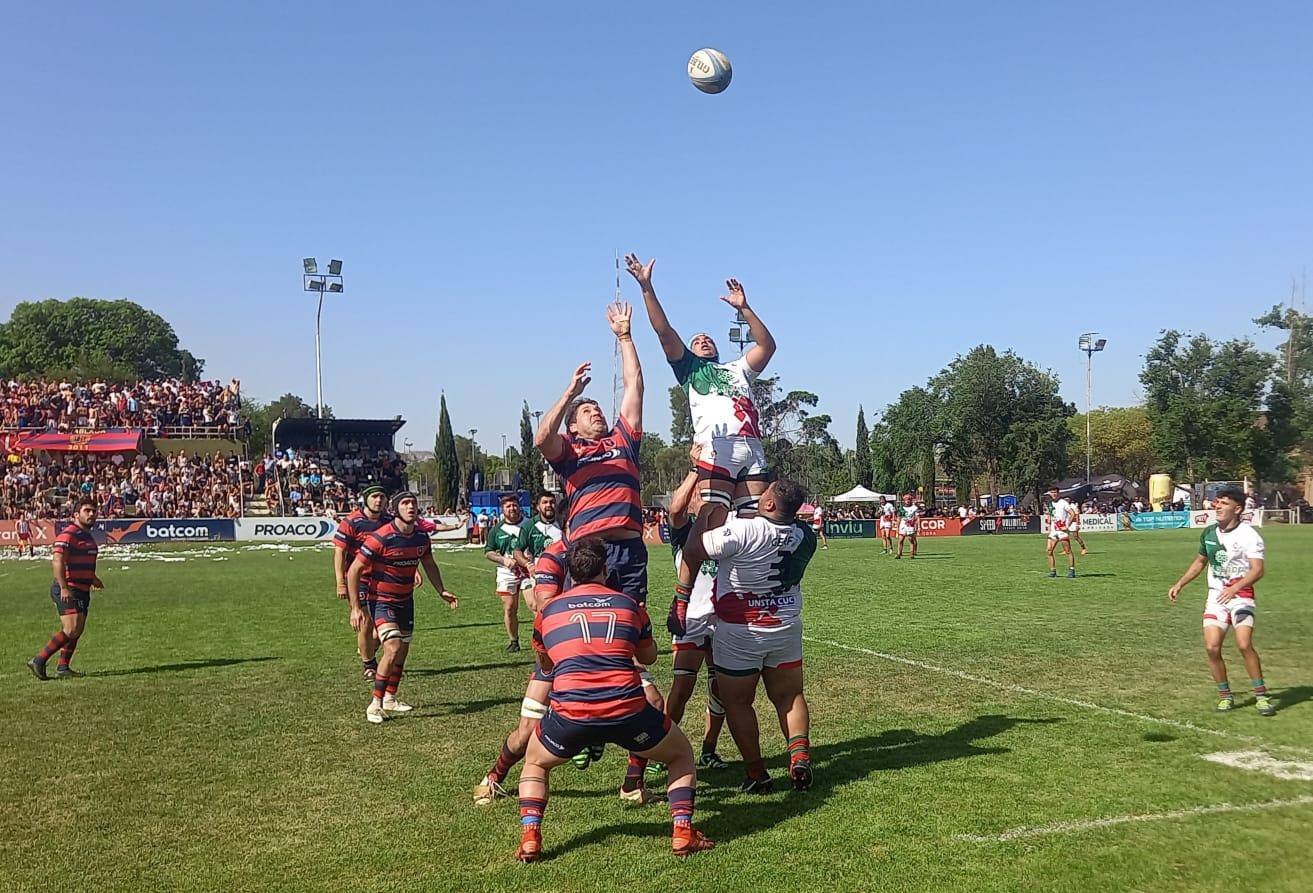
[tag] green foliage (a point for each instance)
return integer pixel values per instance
(447, 476)
(650, 449)
(861, 463)
(530, 460)
(681, 419)
(89, 338)
(1122, 440)
(263, 416)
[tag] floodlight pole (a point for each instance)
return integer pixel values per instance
(1090, 347)
(319, 371)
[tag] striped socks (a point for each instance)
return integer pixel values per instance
(634, 773)
(380, 687)
(393, 681)
(505, 762)
(1224, 690)
(66, 653)
(56, 643)
(531, 810)
(681, 804)
(1260, 689)
(799, 747)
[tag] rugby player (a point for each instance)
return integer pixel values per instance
(24, 527)
(543, 528)
(1233, 554)
(908, 515)
(758, 631)
(725, 421)
(1061, 512)
(600, 470)
(818, 526)
(887, 525)
(389, 556)
(74, 566)
(589, 638)
(502, 548)
(694, 647)
(351, 532)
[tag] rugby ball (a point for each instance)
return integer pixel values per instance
(709, 70)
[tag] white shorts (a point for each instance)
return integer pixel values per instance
(740, 650)
(1059, 535)
(730, 459)
(906, 530)
(886, 525)
(510, 582)
(697, 634)
(1238, 611)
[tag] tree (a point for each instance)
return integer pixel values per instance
(650, 448)
(1121, 440)
(862, 452)
(530, 460)
(447, 476)
(681, 419)
(911, 432)
(86, 337)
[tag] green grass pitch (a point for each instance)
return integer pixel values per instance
(976, 726)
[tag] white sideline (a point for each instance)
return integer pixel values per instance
(1095, 824)
(1257, 761)
(1062, 699)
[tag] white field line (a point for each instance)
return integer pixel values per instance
(1074, 827)
(1062, 699)
(1257, 761)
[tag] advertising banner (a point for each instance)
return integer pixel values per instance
(1159, 520)
(121, 441)
(43, 533)
(861, 528)
(939, 527)
(165, 530)
(305, 530)
(1098, 523)
(977, 526)
(1204, 519)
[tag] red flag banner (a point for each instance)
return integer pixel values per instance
(93, 442)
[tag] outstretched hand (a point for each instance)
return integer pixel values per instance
(638, 270)
(619, 316)
(580, 379)
(736, 298)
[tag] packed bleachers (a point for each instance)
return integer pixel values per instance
(169, 407)
(326, 482)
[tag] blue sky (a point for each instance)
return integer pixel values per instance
(894, 183)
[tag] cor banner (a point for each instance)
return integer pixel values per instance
(939, 527)
(858, 528)
(1159, 520)
(977, 526)
(1253, 517)
(165, 530)
(1098, 523)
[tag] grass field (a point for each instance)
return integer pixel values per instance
(974, 725)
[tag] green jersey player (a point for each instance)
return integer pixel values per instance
(503, 548)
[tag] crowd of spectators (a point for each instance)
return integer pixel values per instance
(49, 405)
(176, 485)
(325, 482)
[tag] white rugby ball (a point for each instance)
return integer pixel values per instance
(709, 70)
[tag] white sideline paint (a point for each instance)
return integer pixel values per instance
(1062, 699)
(1073, 827)
(1257, 761)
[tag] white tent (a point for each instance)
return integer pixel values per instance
(859, 494)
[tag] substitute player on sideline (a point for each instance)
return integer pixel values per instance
(887, 525)
(502, 548)
(351, 532)
(758, 633)
(909, 514)
(1061, 512)
(1233, 554)
(589, 638)
(74, 565)
(389, 556)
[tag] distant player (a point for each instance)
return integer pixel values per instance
(887, 525)
(503, 548)
(818, 526)
(600, 469)
(351, 533)
(909, 514)
(694, 647)
(758, 633)
(24, 527)
(543, 529)
(74, 565)
(387, 559)
(725, 420)
(1061, 512)
(588, 638)
(1233, 554)
(1073, 529)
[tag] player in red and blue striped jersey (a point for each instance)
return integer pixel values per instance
(351, 533)
(74, 565)
(588, 638)
(388, 560)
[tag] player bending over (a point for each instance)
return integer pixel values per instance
(694, 646)
(503, 548)
(351, 532)
(909, 513)
(1060, 515)
(388, 557)
(725, 421)
(1233, 554)
(588, 638)
(758, 633)
(74, 565)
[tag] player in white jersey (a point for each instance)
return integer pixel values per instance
(887, 525)
(758, 633)
(1061, 512)
(818, 525)
(1234, 555)
(725, 420)
(694, 646)
(909, 513)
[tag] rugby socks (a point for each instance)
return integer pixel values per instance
(634, 773)
(504, 763)
(370, 664)
(1224, 690)
(66, 653)
(681, 805)
(799, 749)
(531, 810)
(1260, 689)
(57, 641)
(380, 687)
(393, 681)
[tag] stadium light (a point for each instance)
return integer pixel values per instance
(740, 333)
(314, 282)
(1090, 346)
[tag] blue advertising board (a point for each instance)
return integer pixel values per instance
(1159, 520)
(165, 530)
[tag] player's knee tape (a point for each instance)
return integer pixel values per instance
(683, 671)
(715, 497)
(531, 709)
(387, 635)
(748, 503)
(714, 707)
(647, 679)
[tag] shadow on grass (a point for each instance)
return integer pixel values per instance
(467, 668)
(921, 556)
(1080, 575)
(725, 814)
(460, 708)
(199, 664)
(1289, 697)
(457, 626)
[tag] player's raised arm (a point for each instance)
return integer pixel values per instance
(548, 439)
(619, 316)
(683, 495)
(671, 343)
(763, 347)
